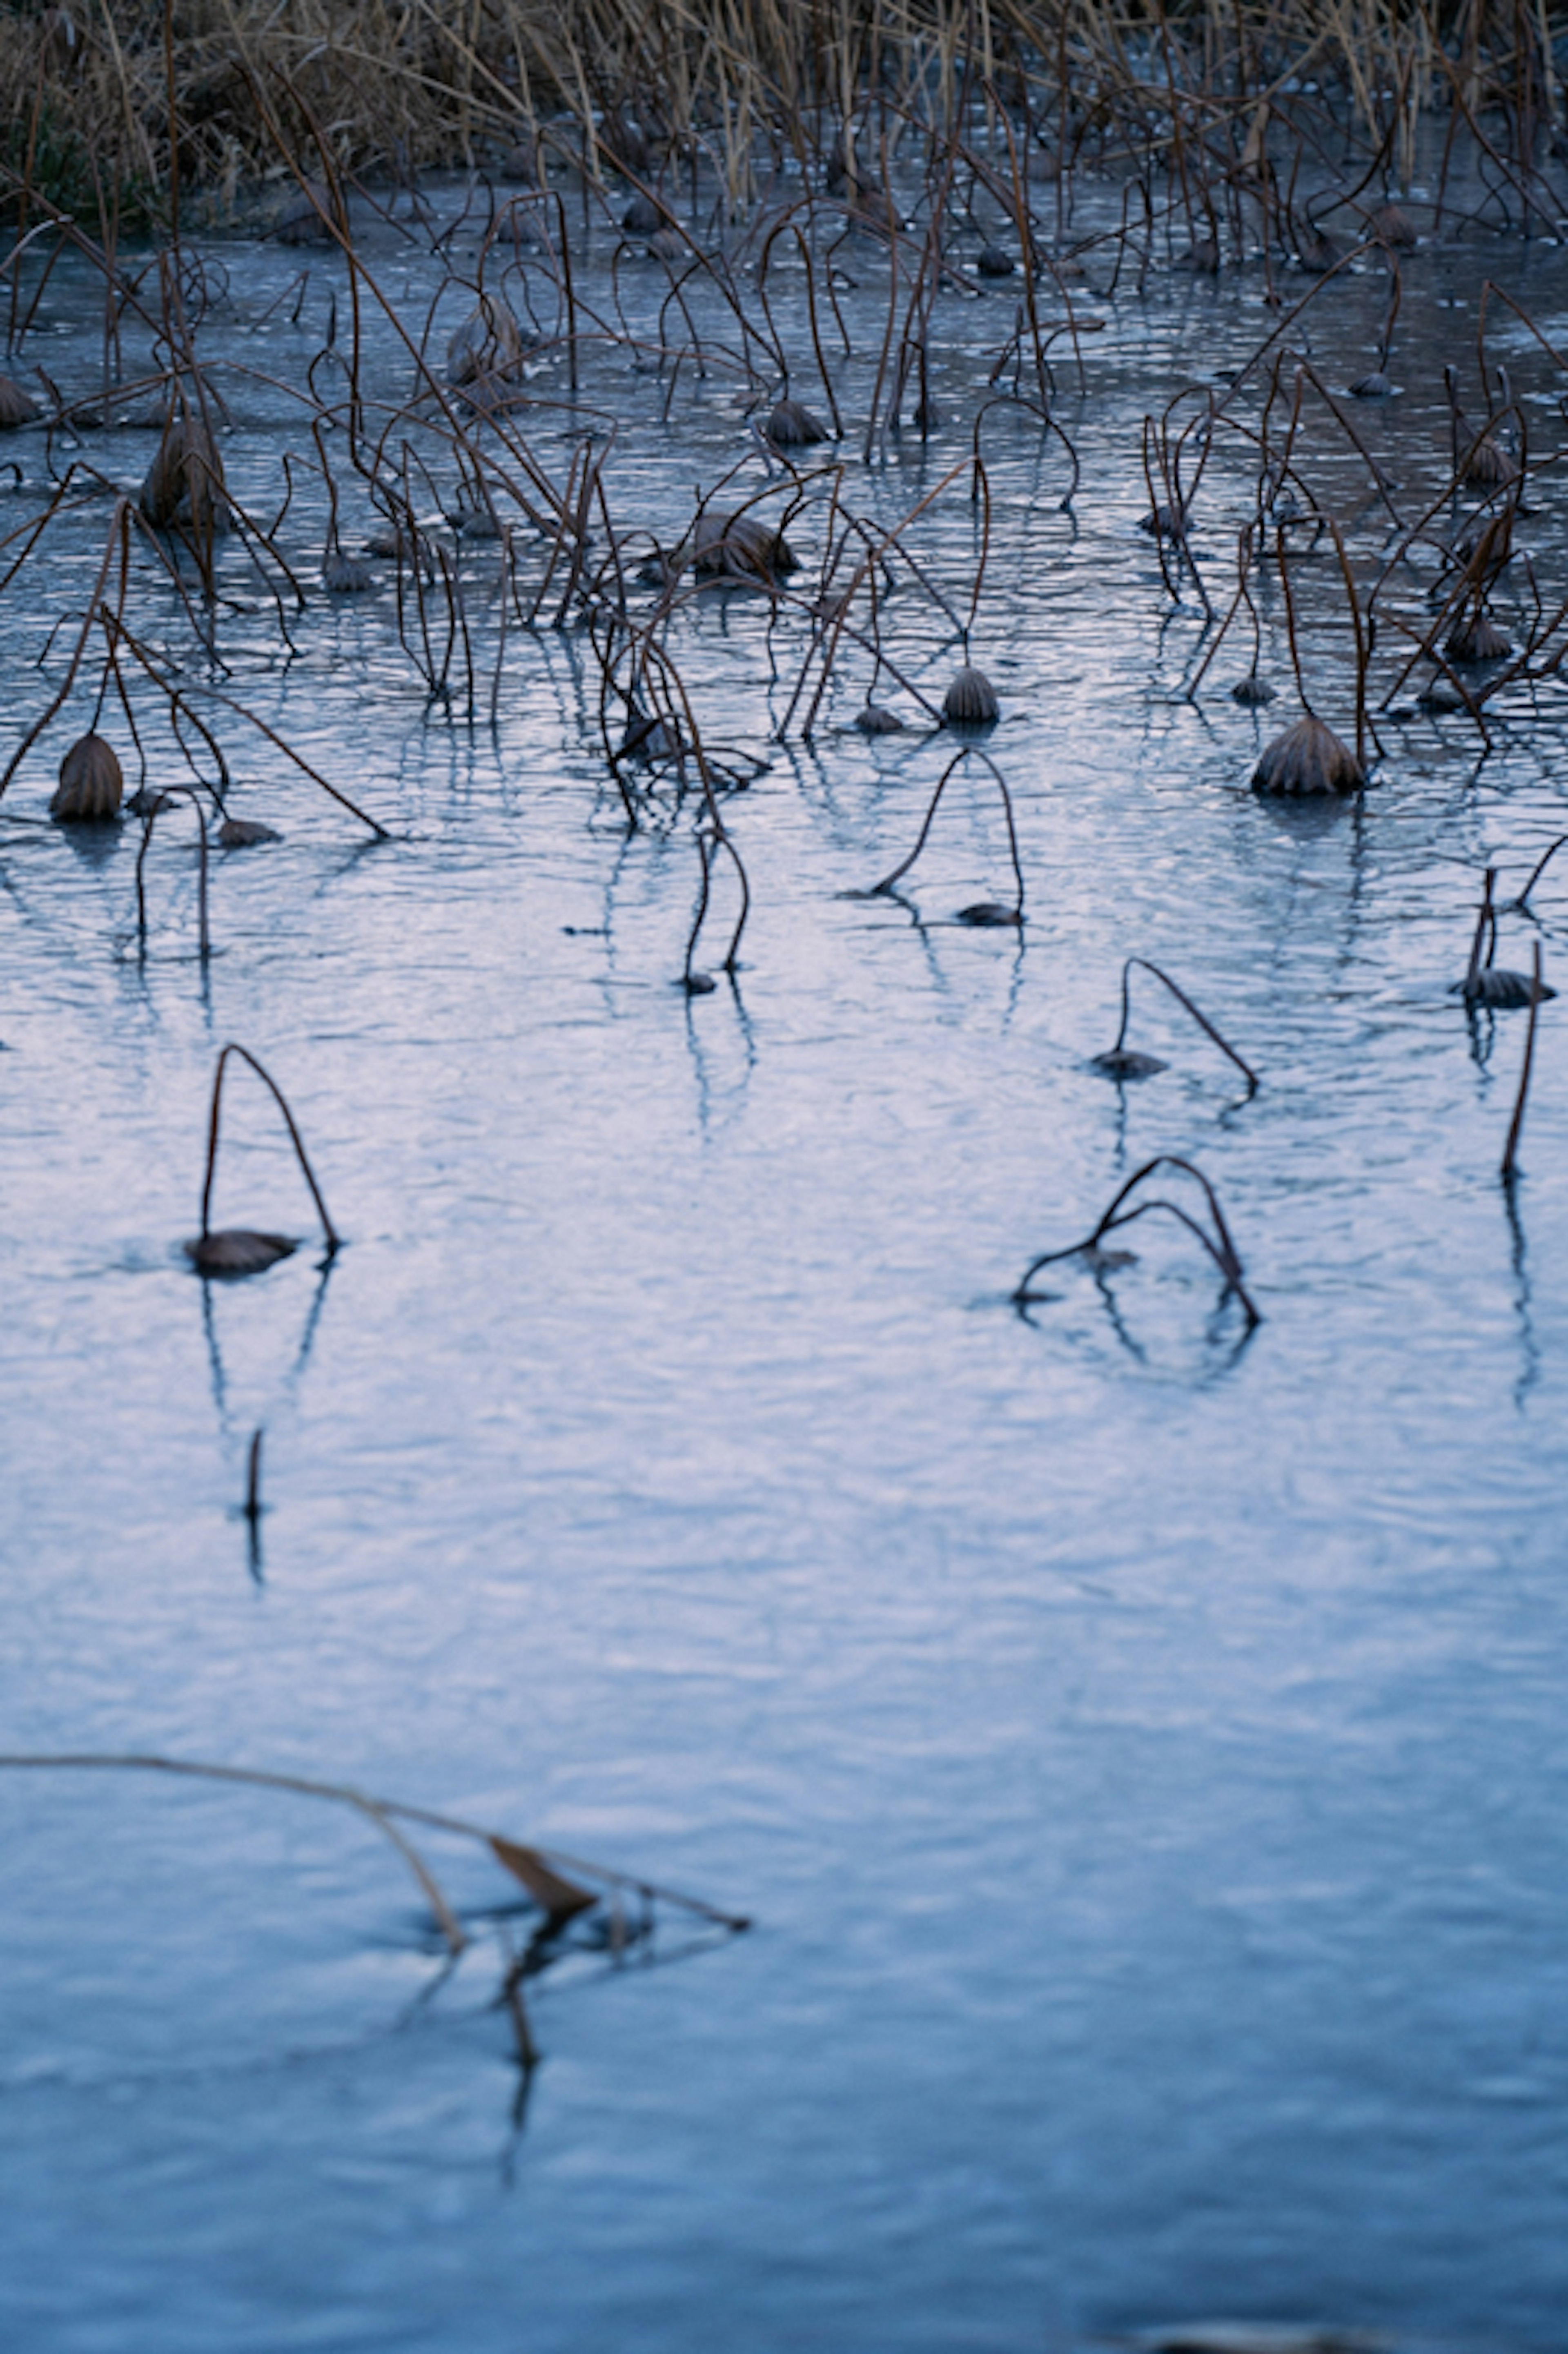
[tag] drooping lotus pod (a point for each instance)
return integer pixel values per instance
(238, 1251)
(246, 832)
(184, 484)
(1479, 640)
(1394, 225)
(791, 426)
(345, 576)
(488, 344)
(17, 403)
(1497, 986)
(970, 701)
(995, 262)
(1308, 760)
(1486, 465)
(741, 548)
(302, 222)
(92, 785)
(642, 217)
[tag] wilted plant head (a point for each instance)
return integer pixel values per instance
(1374, 385)
(995, 262)
(741, 547)
(1394, 225)
(1500, 988)
(488, 344)
(17, 406)
(644, 217)
(301, 221)
(238, 1251)
(519, 166)
(970, 700)
(1254, 691)
(1165, 522)
(345, 576)
(1478, 640)
(1203, 257)
(246, 833)
(1316, 253)
(875, 719)
(91, 784)
(1309, 760)
(791, 426)
(872, 210)
(184, 482)
(667, 244)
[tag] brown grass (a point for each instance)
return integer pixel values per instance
(400, 84)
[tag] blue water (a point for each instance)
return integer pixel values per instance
(1139, 1745)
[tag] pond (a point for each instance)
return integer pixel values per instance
(1134, 1732)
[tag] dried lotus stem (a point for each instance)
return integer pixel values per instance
(970, 752)
(332, 1237)
(1510, 1169)
(1199, 1017)
(160, 802)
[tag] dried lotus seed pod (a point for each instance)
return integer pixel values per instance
(489, 343)
(238, 1251)
(642, 217)
(1480, 640)
(91, 786)
(1308, 760)
(345, 576)
(970, 701)
(16, 406)
(791, 426)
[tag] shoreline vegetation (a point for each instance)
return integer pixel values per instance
(116, 111)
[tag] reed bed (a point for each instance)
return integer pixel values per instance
(129, 103)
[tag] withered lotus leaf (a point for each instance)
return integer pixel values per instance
(239, 1252)
(92, 785)
(245, 832)
(1308, 759)
(561, 1898)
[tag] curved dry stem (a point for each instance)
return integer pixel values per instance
(1199, 1017)
(332, 1236)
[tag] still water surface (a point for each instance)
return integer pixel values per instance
(1141, 1747)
